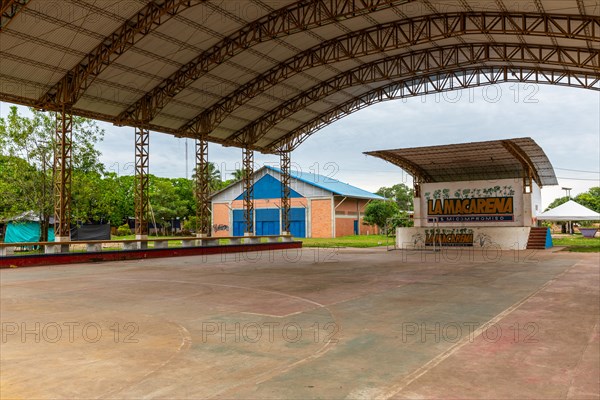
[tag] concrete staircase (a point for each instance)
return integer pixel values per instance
(537, 239)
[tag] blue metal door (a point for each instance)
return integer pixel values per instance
(267, 221)
(298, 222)
(356, 227)
(239, 224)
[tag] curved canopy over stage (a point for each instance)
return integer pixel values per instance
(495, 159)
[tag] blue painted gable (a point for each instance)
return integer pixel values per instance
(268, 187)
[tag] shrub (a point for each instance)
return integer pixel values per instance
(190, 224)
(123, 230)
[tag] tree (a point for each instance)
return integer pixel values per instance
(18, 181)
(238, 174)
(164, 201)
(557, 202)
(27, 144)
(214, 177)
(88, 202)
(590, 199)
(118, 196)
(399, 193)
(379, 212)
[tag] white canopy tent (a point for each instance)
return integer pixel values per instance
(569, 211)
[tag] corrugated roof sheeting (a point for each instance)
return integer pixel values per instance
(212, 51)
(473, 161)
(21, 88)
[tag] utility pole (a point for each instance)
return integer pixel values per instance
(569, 223)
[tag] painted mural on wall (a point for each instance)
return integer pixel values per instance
(220, 227)
(444, 237)
(492, 204)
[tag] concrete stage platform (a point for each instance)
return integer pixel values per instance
(305, 323)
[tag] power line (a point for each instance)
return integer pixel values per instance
(578, 179)
(578, 170)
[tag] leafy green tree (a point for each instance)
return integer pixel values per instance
(184, 189)
(238, 174)
(379, 212)
(27, 145)
(557, 202)
(401, 194)
(165, 203)
(214, 176)
(590, 199)
(87, 203)
(118, 196)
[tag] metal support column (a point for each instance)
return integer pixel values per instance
(142, 145)
(62, 171)
(203, 219)
(248, 156)
(284, 158)
(417, 186)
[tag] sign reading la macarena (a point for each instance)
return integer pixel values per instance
(488, 209)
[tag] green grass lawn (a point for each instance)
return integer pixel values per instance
(344, 241)
(348, 241)
(578, 243)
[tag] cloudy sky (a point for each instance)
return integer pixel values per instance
(565, 122)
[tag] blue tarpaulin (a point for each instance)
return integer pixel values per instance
(26, 231)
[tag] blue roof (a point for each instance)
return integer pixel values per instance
(268, 187)
(330, 184)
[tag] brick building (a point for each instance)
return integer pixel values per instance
(321, 207)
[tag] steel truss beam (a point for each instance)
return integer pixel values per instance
(9, 10)
(284, 161)
(435, 83)
(528, 166)
(248, 156)
(62, 171)
(142, 146)
(407, 65)
(202, 188)
(397, 35)
(72, 86)
(294, 18)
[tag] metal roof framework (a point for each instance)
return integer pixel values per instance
(267, 75)
(496, 159)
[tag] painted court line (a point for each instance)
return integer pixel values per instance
(395, 389)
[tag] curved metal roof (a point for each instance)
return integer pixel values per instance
(496, 159)
(266, 75)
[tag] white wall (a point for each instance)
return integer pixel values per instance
(507, 188)
(503, 238)
(536, 200)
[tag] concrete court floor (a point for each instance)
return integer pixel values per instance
(329, 324)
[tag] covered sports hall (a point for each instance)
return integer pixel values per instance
(287, 322)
